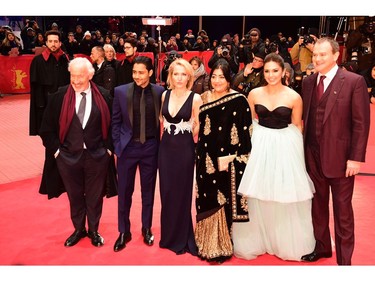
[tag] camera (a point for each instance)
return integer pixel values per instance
(307, 40)
(245, 87)
(272, 48)
(225, 52)
(172, 56)
(354, 55)
(246, 40)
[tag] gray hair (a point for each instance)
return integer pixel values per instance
(82, 63)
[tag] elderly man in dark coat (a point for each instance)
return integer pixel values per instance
(76, 129)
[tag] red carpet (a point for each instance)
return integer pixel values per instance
(33, 229)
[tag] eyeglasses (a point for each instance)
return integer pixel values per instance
(254, 35)
(258, 60)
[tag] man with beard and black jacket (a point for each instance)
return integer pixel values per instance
(48, 71)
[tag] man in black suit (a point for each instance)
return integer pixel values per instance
(136, 148)
(105, 74)
(76, 125)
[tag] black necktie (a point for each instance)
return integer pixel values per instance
(82, 107)
(320, 88)
(142, 110)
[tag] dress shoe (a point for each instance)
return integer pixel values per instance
(148, 237)
(96, 239)
(121, 241)
(314, 256)
(75, 237)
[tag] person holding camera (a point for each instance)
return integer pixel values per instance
(369, 76)
(251, 76)
(251, 44)
(225, 51)
(301, 53)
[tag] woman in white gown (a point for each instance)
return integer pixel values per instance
(275, 181)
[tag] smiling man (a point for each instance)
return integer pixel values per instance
(336, 116)
(136, 137)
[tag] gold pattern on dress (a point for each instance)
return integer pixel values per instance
(221, 198)
(234, 135)
(210, 169)
(212, 236)
(196, 190)
(243, 158)
(207, 126)
(244, 204)
(234, 196)
(220, 101)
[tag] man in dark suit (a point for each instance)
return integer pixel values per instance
(105, 74)
(136, 136)
(336, 118)
(76, 126)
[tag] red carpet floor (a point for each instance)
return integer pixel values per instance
(33, 229)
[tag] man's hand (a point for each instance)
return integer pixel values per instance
(352, 168)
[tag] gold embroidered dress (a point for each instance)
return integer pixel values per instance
(224, 130)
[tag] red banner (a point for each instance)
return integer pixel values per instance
(14, 74)
(14, 71)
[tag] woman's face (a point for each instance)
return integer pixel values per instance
(180, 77)
(194, 64)
(218, 81)
(373, 72)
(273, 73)
(109, 55)
(10, 37)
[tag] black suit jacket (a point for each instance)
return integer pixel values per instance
(49, 132)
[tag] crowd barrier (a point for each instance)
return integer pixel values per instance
(14, 71)
(15, 78)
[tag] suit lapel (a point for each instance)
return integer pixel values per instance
(129, 102)
(335, 89)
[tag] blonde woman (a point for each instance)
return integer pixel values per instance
(179, 115)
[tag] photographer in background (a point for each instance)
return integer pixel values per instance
(171, 57)
(251, 76)
(250, 45)
(369, 75)
(226, 51)
(301, 53)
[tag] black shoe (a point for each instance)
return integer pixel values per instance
(121, 241)
(96, 239)
(148, 237)
(314, 256)
(75, 237)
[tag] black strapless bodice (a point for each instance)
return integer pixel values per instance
(278, 118)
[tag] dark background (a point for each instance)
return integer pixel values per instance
(215, 26)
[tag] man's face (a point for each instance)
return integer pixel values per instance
(323, 57)
(79, 78)
(94, 55)
(53, 43)
(129, 49)
(141, 75)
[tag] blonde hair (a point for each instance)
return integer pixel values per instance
(189, 69)
(110, 47)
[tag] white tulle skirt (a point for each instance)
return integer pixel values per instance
(279, 193)
(276, 168)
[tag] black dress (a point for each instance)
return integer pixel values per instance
(176, 174)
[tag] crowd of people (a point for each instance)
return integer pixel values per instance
(266, 154)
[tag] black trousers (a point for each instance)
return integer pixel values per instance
(84, 182)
